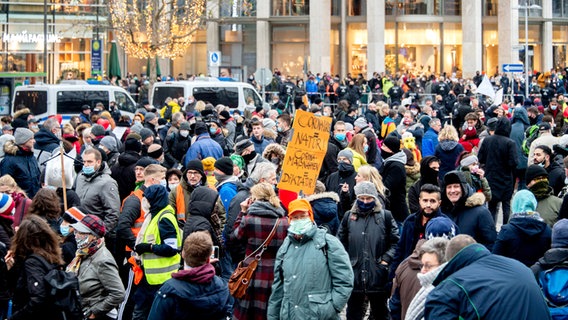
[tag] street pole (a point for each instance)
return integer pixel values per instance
(44, 40)
(526, 51)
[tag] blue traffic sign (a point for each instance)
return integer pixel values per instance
(513, 67)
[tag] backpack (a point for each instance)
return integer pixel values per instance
(168, 112)
(554, 284)
(62, 291)
(530, 135)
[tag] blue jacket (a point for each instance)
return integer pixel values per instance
(325, 210)
(447, 151)
(203, 147)
(429, 142)
(260, 145)
(227, 191)
(476, 284)
(520, 124)
(311, 86)
(23, 167)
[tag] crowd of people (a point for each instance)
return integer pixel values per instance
(441, 208)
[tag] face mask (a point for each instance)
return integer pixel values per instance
(163, 183)
(385, 154)
(344, 166)
(275, 160)
(326, 114)
(34, 127)
(64, 230)
(173, 186)
(366, 148)
(82, 241)
(212, 130)
(300, 226)
(365, 207)
(279, 129)
(184, 133)
(249, 156)
(414, 112)
(540, 164)
(88, 170)
(470, 128)
(553, 107)
(137, 122)
(340, 136)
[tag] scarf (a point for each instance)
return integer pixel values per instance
(540, 189)
(83, 253)
(529, 215)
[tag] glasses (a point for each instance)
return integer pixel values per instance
(428, 267)
(193, 173)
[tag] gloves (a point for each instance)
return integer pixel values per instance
(143, 248)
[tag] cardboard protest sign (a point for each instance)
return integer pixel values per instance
(305, 152)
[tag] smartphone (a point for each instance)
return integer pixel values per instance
(215, 254)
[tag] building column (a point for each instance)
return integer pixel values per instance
(343, 40)
(472, 42)
(212, 27)
(319, 29)
(507, 32)
(375, 37)
(547, 59)
(262, 35)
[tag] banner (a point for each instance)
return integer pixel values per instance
(96, 57)
(486, 88)
(305, 152)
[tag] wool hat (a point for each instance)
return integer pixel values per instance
(208, 164)
(145, 133)
(300, 205)
(136, 128)
(6, 205)
(238, 161)
(149, 117)
(91, 224)
(441, 227)
(348, 127)
(242, 145)
(492, 124)
(7, 127)
(393, 143)
(523, 201)
(97, 130)
(225, 164)
(162, 122)
(73, 215)
(195, 165)
(185, 126)
(155, 151)
(347, 154)
(361, 123)
(268, 123)
(469, 160)
(110, 143)
(224, 115)
(22, 135)
(132, 144)
(146, 161)
(534, 171)
(258, 109)
(560, 234)
(200, 128)
(366, 188)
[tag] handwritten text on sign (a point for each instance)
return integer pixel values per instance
(305, 152)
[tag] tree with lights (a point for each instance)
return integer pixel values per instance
(148, 29)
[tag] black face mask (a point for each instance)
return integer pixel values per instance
(345, 167)
(386, 154)
(249, 156)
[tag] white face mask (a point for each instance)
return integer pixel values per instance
(184, 133)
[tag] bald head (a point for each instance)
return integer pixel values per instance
(456, 244)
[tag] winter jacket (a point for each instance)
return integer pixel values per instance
(329, 164)
(556, 176)
(520, 123)
(99, 283)
(45, 143)
(524, 239)
(131, 210)
(558, 118)
(476, 284)
(369, 238)
(470, 214)
(227, 191)
(394, 179)
(429, 142)
(22, 166)
(498, 157)
(335, 182)
(123, 173)
(260, 145)
(415, 310)
(358, 159)
(6, 231)
(99, 195)
(324, 206)
(551, 258)
(303, 288)
(477, 183)
(253, 228)
(202, 148)
(200, 211)
(175, 147)
(549, 208)
(447, 151)
(405, 284)
(235, 247)
(427, 175)
(195, 293)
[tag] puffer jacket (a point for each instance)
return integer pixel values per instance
(303, 288)
(22, 166)
(99, 283)
(325, 210)
(202, 148)
(447, 151)
(369, 238)
(99, 195)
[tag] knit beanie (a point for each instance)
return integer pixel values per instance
(441, 227)
(347, 154)
(97, 130)
(146, 161)
(6, 205)
(393, 143)
(534, 171)
(136, 128)
(195, 165)
(200, 128)
(208, 164)
(22, 135)
(242, 145)
(110, 143)
(145, 133)
(73, 215)
(132, 145)
(523, 201)
(360, 123)
(149, 117)
(469, 160)
(225, 164)
(366, 188)
(300, 205)
(560, 234)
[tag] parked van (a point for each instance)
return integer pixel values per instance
(67, 99)
(232, 94)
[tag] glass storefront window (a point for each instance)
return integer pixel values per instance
(290, 49)
(290, 7)
(336, 8)
(535, 45)
(237, 8)
(424, 7)
(357, 7)
(334, 49)
(560, 45)
(490, 47)
(357, 44)
(452, 7)
(452, 51)
(490, 8)
(419, 47)
(559, 8)
(238, 49)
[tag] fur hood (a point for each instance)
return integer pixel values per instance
(10, 147)
(274, 148)
(270, 134)
(412, 170)
(324, 195)
(22, 112)
(475, 200)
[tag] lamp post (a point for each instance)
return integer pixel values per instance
(526, 7)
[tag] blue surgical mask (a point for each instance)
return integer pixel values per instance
(212, 130)
(300, 226)
(365, 207)
(340, 136)
(64, 229)
(366, 148)
(88, 170)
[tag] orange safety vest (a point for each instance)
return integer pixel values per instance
(180, 203)
(138, 222)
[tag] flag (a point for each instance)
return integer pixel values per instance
(486, 88)
(498, 97)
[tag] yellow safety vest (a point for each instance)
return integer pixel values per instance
(158, 269)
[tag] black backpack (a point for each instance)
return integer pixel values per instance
(62, 291)
(168, 112)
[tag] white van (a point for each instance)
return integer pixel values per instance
(67, 99)
(228, 93)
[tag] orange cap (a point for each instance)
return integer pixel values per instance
(300, 205)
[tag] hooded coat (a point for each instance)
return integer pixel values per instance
(498, 157)
(469, 213)
(447, 151)
(201, 206)
(394, 179)
(22, 166)
(123, 173)
(476, 284)
(324, 206)
(520, 123)
(405, 284)
(335, 182)
(427, 175)
(45, 143)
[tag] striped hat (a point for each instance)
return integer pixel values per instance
(73, 215)
(6, 205)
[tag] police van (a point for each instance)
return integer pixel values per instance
(67, 99)
(235, 95)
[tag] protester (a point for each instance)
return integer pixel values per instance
(429, 167)
(324, 207)
(548, 205)
(342, 182)
(394, 177)
(22, 202)
(448, 150)
(19, 162)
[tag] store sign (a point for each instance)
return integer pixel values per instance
(25, 37)
(96, 57)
